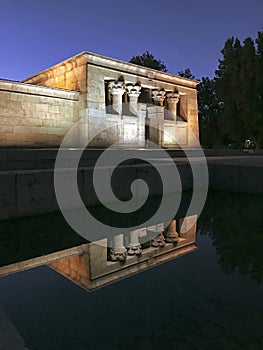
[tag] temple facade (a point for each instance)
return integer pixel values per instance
(133, 105)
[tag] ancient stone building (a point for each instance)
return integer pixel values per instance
(134, 103)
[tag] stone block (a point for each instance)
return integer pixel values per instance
(42, 107)
(6, 128)
(89, 195)
(35, 193)
(7, 195)
(16, 155)
(3, 103)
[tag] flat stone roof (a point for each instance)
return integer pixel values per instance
(112, 63)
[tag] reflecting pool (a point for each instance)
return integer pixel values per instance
(207, 296)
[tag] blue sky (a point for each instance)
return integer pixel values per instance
(187, 33)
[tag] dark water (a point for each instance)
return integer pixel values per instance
(209, 299)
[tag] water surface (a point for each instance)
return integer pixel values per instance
(209, 299)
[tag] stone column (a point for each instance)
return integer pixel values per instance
(172, 99)
(118, 251)
(134, 246)
(171, 236)
(158, 96)
(117, 89)
(133, 93)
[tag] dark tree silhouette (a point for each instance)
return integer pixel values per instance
(210, 109)
(239, 85)
(148, 60)
(230, 104)
(186, 74)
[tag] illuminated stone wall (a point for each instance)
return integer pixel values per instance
(35, 116)
(89, 75)
(68, 75)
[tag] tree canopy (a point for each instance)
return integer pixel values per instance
(148, 60)
(239, 84)
(210, 109)
(186, 74)
(230, 104)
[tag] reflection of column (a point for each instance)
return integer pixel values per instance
(187, 226)
(117, 89)
(158, 241)
(118, 251)
(171, 236)
(134, 246)
(158, 97)
(133, 93)
(156, 232)
(173, 99)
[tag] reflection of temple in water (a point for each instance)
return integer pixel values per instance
(99, 264)
(95, 264)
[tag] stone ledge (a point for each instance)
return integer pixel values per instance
(30, 89)
(31, 192)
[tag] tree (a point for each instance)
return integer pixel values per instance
(248, 94)
(227, 84)
(148, 60)
(239, 85)
(210, 109)
(186, 74)
(259, 83)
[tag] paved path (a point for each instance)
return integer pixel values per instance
(249, 160)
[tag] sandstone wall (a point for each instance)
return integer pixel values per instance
(193, 118)
(70, 74)
(87, 72)
(35, 116)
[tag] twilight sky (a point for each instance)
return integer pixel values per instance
(35, 34)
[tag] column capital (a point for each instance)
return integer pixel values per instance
(117, 87)
(159, 96)
(173, 97)
(133, 90)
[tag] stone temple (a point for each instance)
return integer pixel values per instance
(134, 104)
